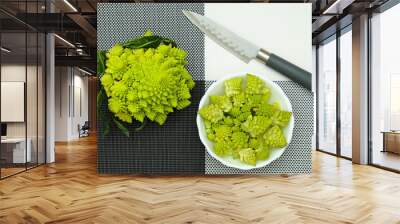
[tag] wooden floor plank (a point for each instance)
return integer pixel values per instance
(70, 191)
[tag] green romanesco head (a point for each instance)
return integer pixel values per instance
(148, 83)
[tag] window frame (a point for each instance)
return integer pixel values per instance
(334, 37)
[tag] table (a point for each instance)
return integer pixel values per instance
(391, 141)
(17, 147)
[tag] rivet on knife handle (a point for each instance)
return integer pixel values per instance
(288, 69)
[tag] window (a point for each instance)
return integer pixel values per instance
(385, 89)
(22, 75)
(346, 93)
(327, 97)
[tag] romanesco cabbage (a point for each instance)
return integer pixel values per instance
(242, 123)
(150, 82)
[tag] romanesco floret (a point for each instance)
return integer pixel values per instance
(222, 132)
(262, 152)
(235, 111)
(255, 142)
(240, 140)
(209, 130)
(256, 125)
(248, 156)
(282, 118)
(228, 120)
(267, 110)
(239, 99)
(148, 83)
(212, 113)
(256, 100)
(255, 85)
(242, 123)
(223, 102)
(275, 138)
(222, 148)
(233, 86)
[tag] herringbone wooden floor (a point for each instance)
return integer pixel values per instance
(70, 191)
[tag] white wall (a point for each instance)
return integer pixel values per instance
(70, 83)
(14, 72)
(79, 117)
(62, 81)
(33, 127)
(314, 74)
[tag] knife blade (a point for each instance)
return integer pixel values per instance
(246, 50)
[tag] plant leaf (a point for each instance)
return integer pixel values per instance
(101, 63)
(121, 127)
(148, 42)
(101, 95)
(106, 128)
(142, 125)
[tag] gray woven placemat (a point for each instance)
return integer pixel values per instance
(175, 148)
(119, 22)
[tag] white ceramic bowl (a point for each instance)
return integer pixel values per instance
(277, 95)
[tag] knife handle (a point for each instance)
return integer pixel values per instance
(290, 70)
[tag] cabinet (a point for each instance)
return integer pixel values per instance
(391, 142)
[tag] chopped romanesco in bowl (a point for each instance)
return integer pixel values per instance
(245, 121)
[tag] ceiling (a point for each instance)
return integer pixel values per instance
(76, 21)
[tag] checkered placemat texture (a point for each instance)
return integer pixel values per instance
(175, 147)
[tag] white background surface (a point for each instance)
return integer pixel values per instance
(12, 101)
(282, 29)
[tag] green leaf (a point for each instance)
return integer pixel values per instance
(101, 63)
(107, 127)
(101, 95)
(121, 127)
(142, 125)
(148, 42)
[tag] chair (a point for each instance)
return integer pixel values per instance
(84, 130)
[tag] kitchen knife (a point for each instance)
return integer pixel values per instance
(246, 50)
